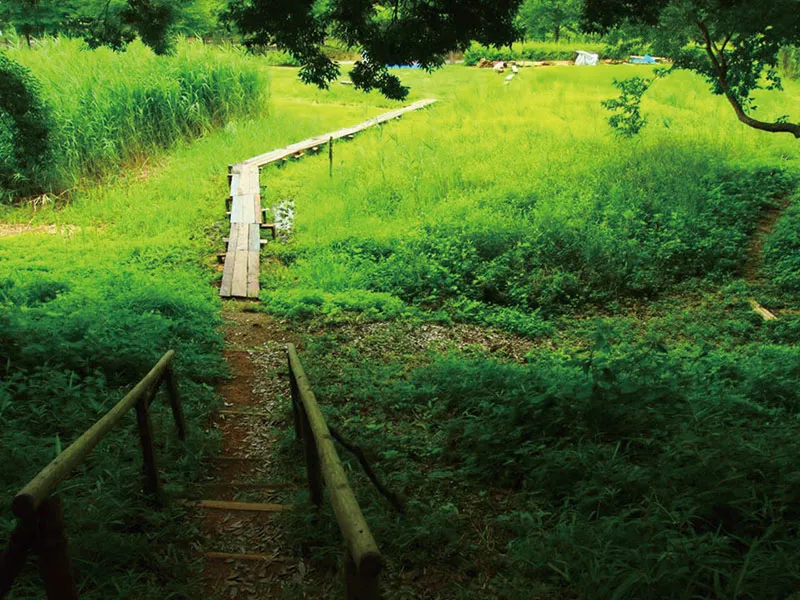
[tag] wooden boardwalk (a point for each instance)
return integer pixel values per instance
(241, 272)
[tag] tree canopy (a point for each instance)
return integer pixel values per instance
(399, 32)
(541, 18)
(734, 44)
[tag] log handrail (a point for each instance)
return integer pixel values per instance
(40, 518)
(363, 561)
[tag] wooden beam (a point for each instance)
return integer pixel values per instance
(359, 540)
(765, 314)
(238, 506)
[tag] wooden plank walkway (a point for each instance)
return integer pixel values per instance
(240, 275)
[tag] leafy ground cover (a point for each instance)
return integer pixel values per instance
(126, 273)
(542, 337)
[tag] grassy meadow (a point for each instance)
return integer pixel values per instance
(539, 334)
(542, 337)
(93, 291)
(102, 108)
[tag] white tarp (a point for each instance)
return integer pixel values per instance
(586, 58)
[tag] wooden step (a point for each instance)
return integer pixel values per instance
(231, 556)
(249, 485)
(244, 413)
(237, 506)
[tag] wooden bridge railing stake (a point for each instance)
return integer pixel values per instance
(312, 459)
(359, 586)
(175, 402)
(152, 483)
(12, 560)
(298, 432)
(40, 518)
(363, 561)
(51, 547)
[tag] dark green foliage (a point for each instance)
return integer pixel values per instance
(543, 19)
(24, 126)
(401, 33)
(641, 468)
(72, 342)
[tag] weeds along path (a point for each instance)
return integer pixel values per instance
(247, 555)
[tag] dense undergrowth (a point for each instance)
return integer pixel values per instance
(100, 109)
(641, 446)
(125, 273)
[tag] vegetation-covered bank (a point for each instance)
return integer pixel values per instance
(95, 110)
(542, 337)
(91, 295)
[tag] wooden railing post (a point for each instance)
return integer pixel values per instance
(359, 585)
(175, 402)
(12, 560)
(298, 432)
(51, 547)
(312, 459)
(152, 483)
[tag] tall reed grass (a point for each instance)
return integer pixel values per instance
(106, 108)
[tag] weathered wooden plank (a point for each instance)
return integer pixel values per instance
(239, 506)
(237, 209)
(288, 151)
(252, 273)
(239, 285)
(766, 314)
(259, 216)
(227, 276)
(238, 238)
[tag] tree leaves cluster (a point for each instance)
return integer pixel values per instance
(112, 23)
(398, 32)
(734, 44)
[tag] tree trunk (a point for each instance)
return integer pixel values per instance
(557, 32)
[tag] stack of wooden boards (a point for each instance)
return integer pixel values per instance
(241, 272)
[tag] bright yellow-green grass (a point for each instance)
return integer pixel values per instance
(128, 273)
(544, 136)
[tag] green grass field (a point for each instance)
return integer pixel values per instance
(540, 334)
(634, 437)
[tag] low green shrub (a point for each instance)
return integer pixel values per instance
(530, 51)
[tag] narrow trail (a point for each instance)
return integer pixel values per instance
(755, 253)
(247, 555)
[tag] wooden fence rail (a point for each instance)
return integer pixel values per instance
(363, 562)
(40, 521)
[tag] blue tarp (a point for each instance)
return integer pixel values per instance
(643, 60)
(414, 65)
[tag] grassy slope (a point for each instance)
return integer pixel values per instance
(86, 311)
(644, 450)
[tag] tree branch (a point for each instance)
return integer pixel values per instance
(393, 498)
(718, 62)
